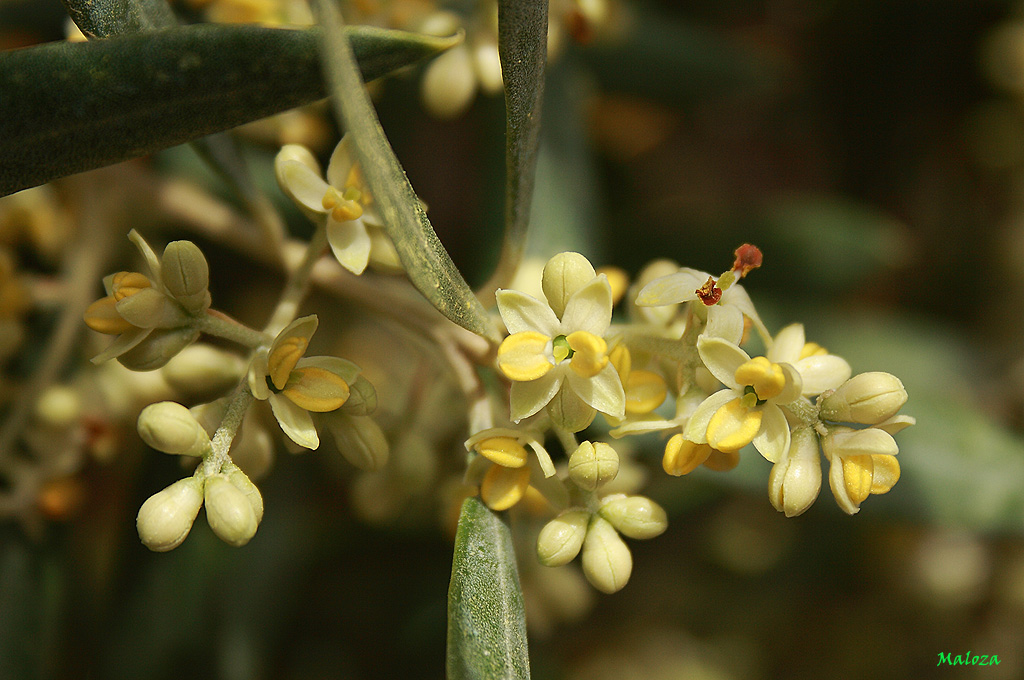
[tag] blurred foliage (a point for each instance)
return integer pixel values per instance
(842, 138)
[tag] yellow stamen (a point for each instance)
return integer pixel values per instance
(885, 474)
(857, 474)
(316, 389)
(722, 461)
(522, 356)
(504, 451)
(645, 391)
(621, 360)
(125, 284)
(347, 211)
(590, 353)
(683, 456)
(766, 378)
(812, 349)
(733, 426)
(102, 317)
(503, 487)
(283, 359)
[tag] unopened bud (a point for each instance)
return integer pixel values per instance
(186, 274)
(564, 274)
(157, 349)
(202, 372)
(360, 440)
(166, 517)
(449, 83)
(867, 398)
(635, 516)
(169, 427)
(795, 479)
(229, 511)
(561, 539)
(607, 562)
(242, 482)
(592, 465)
(362, 398)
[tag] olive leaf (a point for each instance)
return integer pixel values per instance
(486, 622)
(70, 107)
(425, 259)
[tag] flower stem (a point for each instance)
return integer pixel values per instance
(215, 461)
(298, 283)
(223, 326)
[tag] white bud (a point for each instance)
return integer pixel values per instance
(564, 274)
(58, 407)
(151, 308)
(561, 539)
(229, 511)
(203, 372)
(635, 516)
(186, 274)
(607, 562)
(867, 398)
(360, 440)
(449, 83)
(169, 427)
(795, 479)
(242, 482)
(871, 441)
(166, 517)
(591, 465)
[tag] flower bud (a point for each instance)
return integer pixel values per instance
(871, 441)
(360, 440)
(166, 517)
(561, 539)
(569, 412)
(229, 511)
(202, 372)
(157, 349)
(58, 407)
(867, 398)
(795, 479)
(151, 308)
(607, 562)
(564, 274)
(591, 465)
(362, 398)
(186, 275)
(242, 482)
(635, 516)
(169, 427)
(449, 83)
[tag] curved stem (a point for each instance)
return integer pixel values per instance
(221, 325)
(215, 461)
(298, 282)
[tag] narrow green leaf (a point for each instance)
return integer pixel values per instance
(426, 262)
(486, 623)
(522, 47)
(104, 18)
(70, 107)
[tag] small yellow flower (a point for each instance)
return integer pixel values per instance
(507, 480)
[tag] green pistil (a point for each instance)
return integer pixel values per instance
(750, 398)
(561, 349)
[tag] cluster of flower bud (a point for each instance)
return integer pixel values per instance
(152, 313)
(594, 526)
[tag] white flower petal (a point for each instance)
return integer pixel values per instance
(303, 327)
(788, 345)
(152, 261)
(350, 243)
(736, 296)
(302, 185)
(603, 391)
(794, 385)
(522, 312)
(697, 426)
(679, 287)
(725, 322)
(257, 376)
(590, 308)
(342, 160)
(774, 437)
(124, 342)
(722, 358)
(299, 153)
(823, 372)
(527, 398)
(895, 424)
(295, 422)
(343, 368)
(643, 427)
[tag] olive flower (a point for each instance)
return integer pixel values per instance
(556, 355)
(297, 385)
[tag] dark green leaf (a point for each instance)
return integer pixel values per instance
(486, 623)
(522, 46)
(69, 107)
(101, 19)
(426, 261)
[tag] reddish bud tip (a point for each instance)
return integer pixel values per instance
(747, 257)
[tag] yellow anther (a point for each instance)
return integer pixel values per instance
(857, 474)
(645, 391)
(522, 356)
(283, 359)
(722, 461)
(102, 317)
(346, 211)
(812, 349)
(331, 198)
(125, 284)
(766, 378)
(885, 473)
(621, 360)
(503, 487)
(733, 426)
(316, 389)
(590, 353)
(683, 456)
(504, 451)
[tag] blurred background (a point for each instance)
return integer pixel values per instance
(874, 151)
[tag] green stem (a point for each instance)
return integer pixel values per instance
(221, 325)
(804, 410)
(298, 283)
(215, 461)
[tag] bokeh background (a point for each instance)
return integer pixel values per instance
(873, 149)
